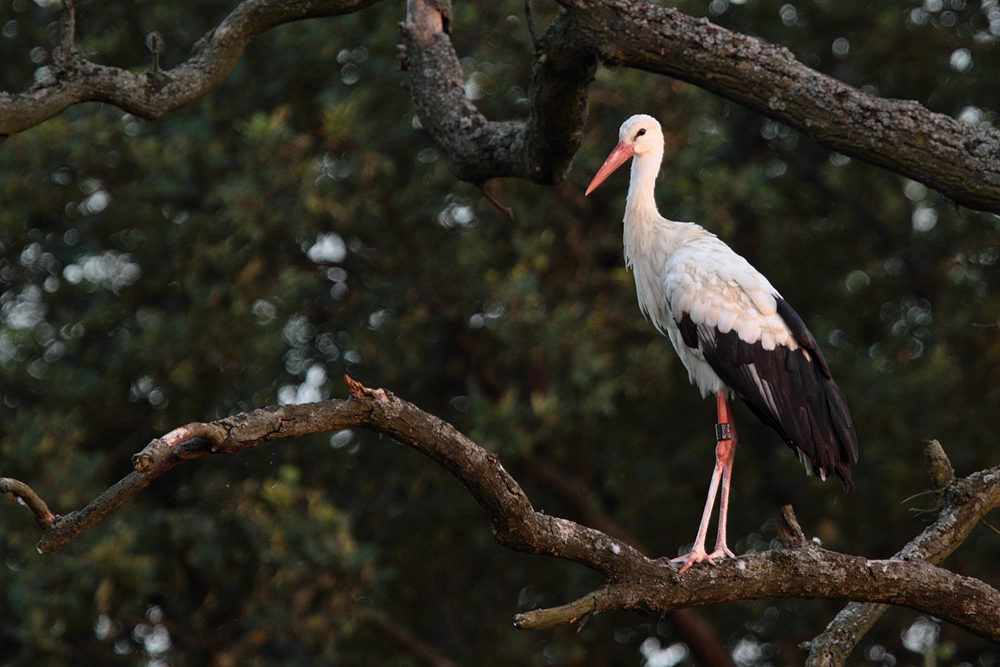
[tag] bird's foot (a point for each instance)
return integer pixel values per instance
(700, 556)
(722, 551)
(696, 556)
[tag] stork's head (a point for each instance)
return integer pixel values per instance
(642, 133)
(639, 135)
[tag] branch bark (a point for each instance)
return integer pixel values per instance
(152, 94)
(962, 504)
(960, 161)
(539, 149)
(634, 581)
(699, 635)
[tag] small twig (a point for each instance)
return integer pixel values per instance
(529, 17)
(578, 610)
(938, 466)
(789, 529)
(67, 32)
(491, 190)
(27, 496)
(153, 43)
(424, 653)
(983, 521)
(361, 392)
(928, 492)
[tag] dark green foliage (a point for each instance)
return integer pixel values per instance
(157, 273)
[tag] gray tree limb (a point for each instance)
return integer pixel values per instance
(707, 649)
(962, 504)
(539, 149)
(154, 93)
(634, 581)
(960, 161)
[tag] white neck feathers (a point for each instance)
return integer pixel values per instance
(643, 222)
(640, 202)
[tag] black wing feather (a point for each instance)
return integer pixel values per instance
(796, 395)
(689, 332)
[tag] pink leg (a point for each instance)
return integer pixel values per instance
(729, 445)
(725, 451)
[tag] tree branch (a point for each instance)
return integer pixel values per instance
(153, 94)
(540, 149)
(634, 581)
(699, 635)
(227, 436)
(962, 504)
(805, 572)
(25, 495)
(961, 161)
(67, 32)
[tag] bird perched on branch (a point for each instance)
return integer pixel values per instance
(732, 330)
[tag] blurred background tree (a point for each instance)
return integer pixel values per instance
(297, 224)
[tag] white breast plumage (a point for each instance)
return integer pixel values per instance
(700, 276)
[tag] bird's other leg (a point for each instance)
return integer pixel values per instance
(725, 449)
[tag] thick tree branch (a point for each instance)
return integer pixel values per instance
(963, 503)
(634, 581)
(539, 149)
(699, 635)
(76, 79)
(961, 161)
(958, 160)
(805, 572)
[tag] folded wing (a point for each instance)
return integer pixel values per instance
(787, 385)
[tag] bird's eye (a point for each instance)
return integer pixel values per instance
(640, 133)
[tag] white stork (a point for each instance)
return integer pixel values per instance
(732, 330)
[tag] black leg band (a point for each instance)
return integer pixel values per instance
(723, 431)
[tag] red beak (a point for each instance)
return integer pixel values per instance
(619, 155)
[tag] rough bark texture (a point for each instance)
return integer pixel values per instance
(154, 93)
(635, 582)
(962, 502)
(958, 160)
(539, 149)
(707, 649)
